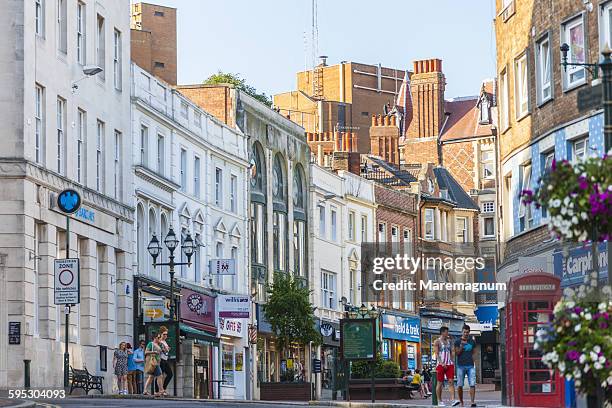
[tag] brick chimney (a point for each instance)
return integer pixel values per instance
(384, 138)
(427, 85)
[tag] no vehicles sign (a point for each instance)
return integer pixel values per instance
(67, 282)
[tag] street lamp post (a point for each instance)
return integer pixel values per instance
(171, 242)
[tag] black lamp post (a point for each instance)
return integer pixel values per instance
(171, 242)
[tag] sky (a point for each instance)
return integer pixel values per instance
(264, 40)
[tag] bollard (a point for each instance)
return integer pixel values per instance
(26, 374)
(434, 384)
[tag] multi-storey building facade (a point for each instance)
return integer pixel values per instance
(341, 97)
(539, 120)
(191, 176)
(280, 216)
(65, 106)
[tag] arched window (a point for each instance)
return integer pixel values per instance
(279, 196)
(299, 223)
(258, 206)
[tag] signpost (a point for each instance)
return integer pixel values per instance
(67, 271)
(14, 332)
(154, 309)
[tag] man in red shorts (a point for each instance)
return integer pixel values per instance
(443, 348)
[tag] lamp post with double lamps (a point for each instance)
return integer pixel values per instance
(171, 242)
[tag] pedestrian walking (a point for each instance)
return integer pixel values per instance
(165, 352)
(139, 363)
(465, 347)
(120, 365)
(152, 362)
(131, 368)
(445, 366)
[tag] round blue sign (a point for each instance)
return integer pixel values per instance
(68, 201)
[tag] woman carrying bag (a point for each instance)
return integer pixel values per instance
(152, 369)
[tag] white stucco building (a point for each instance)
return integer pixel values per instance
(191, 175)
(344, 217)
(64, 129)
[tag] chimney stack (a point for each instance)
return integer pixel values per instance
(427, 85)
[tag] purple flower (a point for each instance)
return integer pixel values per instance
(572, 355)
(571, 343)
(577, 309)
(603, 325)
(583, 184)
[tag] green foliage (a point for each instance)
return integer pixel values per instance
(382, 369)
(290, 313)
(240, 83)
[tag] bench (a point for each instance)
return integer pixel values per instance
(84, 380)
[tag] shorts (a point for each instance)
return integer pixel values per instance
(471, 373)
(449, 371)
(157, 371)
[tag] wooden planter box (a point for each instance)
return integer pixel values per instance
(277, 391)
(384, 388)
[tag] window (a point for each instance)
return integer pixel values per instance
(462, 229)
(395, 238)
(80, 40)
(573, 35)
(548, 161)
(218, 187)
(184, 110)
(81, 138)
(258, 234)
(382, 235)
(579, 150)
(279, 234)
(117, 170)
(488, 207)
(521, 89)
(161, 152)
(227, 373)
(429, 223)
(334, 226)
(407, 242)
(322, 221)
(196, 176)
(40, 17)
(351, 226)
(489, 227)
(487, 161)
(144, 145)
(39, 125)
(485, 111)
(100, 47)
(233, 193)
(117, 59)
(100, 157)
(159, 64)
(197, 119)
(525, 213)
(183, 170)
(62, 34)
(503, 99)
(158, 13)
(299, 247)
(364, 228)
(605, 36)
(61, 136)
(328, 289)
(544, 70)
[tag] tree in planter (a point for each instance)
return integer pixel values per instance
(240, 83)
(382, 369)
(290, 313)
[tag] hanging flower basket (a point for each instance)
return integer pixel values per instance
(578, 341)
(578, 198)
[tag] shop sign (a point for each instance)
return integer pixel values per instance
(14, 332)
(411, 357)
(154, 309)
(316, 365)
(401, 328)
(223, 266)
(326, 329)
(385, 349)
(231, 327)
(532, 264)
(434, 324)
(234, 306)
(197, 307)
(487, 315)
(573, 267)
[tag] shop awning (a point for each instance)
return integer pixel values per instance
(193, 333)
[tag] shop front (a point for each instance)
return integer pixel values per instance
(330, 346)
(487, 343)
(199, 345)
(233, 317)
(573, 265)
(431, 322)
(401, 338)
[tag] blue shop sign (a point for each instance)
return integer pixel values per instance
(86, 214)
(385, 349)
(579, 263)
(401, 328)
(487, 314)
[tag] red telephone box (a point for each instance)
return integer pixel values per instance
(529, 382)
